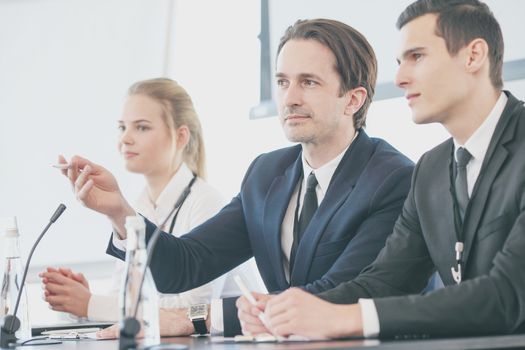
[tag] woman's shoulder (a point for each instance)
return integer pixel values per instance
(202, 191)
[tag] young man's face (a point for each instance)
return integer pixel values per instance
(435, 83)
(308, 89)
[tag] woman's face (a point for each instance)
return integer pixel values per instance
(145, 140)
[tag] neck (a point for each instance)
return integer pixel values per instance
(318, 154)
(468, 117)
(156, 182)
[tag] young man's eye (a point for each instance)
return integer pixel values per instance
(121, 128)
(417, 56)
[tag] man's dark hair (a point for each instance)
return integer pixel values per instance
(355, 59)
(458, 23)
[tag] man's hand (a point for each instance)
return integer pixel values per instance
(66, 291)
(249, 314)
(96, 188)
(298, 312)
(173, 322)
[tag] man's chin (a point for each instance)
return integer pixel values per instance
(420, 119)
(296, 136)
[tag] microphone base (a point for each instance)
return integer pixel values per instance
(129, 328)
(9, 325)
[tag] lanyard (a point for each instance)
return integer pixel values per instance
(458, 224)
(180, 202)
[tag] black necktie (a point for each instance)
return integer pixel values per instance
(309, 205)
(463, 157)
(307, 212)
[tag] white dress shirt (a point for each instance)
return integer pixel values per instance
(477, 145)
(203, 202)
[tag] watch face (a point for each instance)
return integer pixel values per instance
(199, 311)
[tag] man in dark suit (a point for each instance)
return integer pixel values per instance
(465, 213)
(313, 215)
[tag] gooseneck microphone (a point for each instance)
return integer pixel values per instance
(130, 326)
(9, 324)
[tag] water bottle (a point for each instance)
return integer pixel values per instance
(13, 272)
(148, 307)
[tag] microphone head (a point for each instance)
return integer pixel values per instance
(58, 212)
(9, 324)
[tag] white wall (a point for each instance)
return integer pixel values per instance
(64, 68)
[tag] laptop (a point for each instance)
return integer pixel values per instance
(38, 329)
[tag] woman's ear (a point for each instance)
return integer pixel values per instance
(182, 135)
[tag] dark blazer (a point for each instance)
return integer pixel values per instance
(362, 202)
(491, 298)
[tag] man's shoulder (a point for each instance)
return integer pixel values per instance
(283, 156)
(387, 155)
(438, 154)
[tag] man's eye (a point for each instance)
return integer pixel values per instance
(282, 83)
(309, 82)
(121, 128)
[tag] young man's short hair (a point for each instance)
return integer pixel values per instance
(459, 22)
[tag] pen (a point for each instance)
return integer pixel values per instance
(246, 293)
(64, 166)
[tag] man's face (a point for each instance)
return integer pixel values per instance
(308, 89)
(435, 83)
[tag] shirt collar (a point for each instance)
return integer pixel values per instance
(171, 191)
(325, 172)
(478, 143)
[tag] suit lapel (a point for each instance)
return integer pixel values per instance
(494, 159)
(443, 193)
(343, 181)
(275, 206)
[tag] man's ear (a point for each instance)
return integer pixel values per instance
(477, 55)
(357, 98)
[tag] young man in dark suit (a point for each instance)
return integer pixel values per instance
(313, 215)
(465, 213)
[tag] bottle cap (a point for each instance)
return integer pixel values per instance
(134, 225)
(9, 226)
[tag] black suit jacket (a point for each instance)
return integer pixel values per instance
(491, 298)
(362, 202)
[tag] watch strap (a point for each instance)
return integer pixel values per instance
(200, 326)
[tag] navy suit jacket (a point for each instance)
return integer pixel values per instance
(350, 227)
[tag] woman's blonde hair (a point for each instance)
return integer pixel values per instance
(178, 111)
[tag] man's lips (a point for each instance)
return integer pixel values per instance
(293, 117)
(410, 97)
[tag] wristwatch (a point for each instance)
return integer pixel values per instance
(198, 314)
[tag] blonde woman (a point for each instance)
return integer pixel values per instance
(161, 138)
